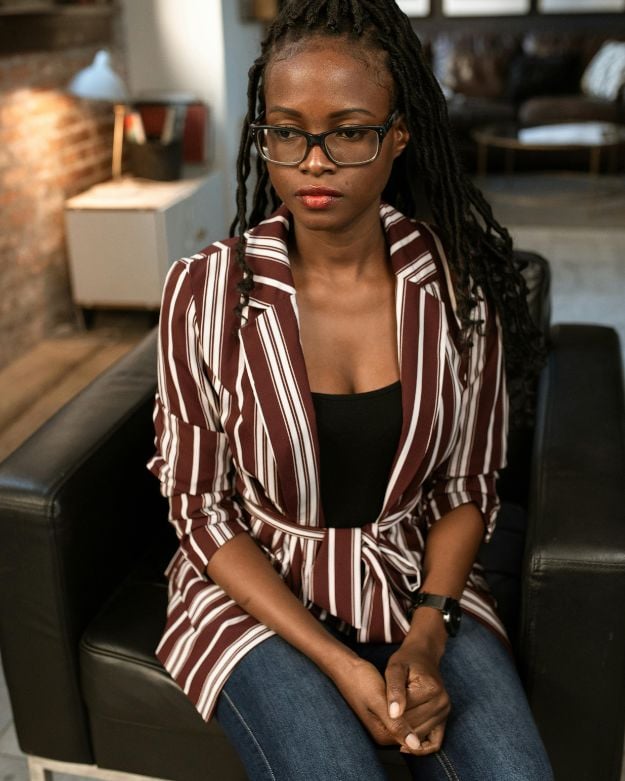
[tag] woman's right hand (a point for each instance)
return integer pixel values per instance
(364, 689)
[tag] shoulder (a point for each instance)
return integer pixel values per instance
(449, 289)
(445, 282)
(215, 258)
(206, 280)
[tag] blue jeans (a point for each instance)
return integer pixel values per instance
(288, 722)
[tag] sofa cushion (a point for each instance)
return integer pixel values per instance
(466, 113)
(555, 74)
(605, 75)
(474, 64)
(559, 108)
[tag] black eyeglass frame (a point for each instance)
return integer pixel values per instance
(319, 139)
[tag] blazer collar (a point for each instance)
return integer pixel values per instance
(267, 254)
(275, 360)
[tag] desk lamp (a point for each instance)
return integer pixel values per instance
(99, 81)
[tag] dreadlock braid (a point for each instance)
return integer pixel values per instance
(479, 249)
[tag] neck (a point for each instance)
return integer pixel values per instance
(348, 254)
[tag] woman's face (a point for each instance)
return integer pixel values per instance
(322, 85)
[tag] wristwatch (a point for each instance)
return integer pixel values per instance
(449, 607)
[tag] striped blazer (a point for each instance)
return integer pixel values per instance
(237, 449)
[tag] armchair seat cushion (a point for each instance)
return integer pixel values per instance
(139, 719)
(122, 679)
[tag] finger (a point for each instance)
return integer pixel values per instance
(434, 740)
(398, 729)
(395, 675)
(422, 688)
(389, 732)
(424, 717)
(429, 744)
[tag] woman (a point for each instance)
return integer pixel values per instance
(331, 415)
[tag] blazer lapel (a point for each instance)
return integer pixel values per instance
(423, 349)
(275, 363)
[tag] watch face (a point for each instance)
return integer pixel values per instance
(454, 615)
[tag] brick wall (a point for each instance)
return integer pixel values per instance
(52, 146)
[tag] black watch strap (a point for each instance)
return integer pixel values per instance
(448, 606)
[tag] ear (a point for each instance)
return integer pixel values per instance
(400, 136)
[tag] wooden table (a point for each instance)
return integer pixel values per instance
(593, 136)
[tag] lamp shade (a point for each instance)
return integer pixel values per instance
(99, 81)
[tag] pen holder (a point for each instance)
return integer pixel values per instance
(155, 160)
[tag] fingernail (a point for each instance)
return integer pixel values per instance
(413, 741)
(394, 710)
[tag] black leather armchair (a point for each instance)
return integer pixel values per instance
(84, 540)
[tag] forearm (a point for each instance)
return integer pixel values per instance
(451, 549)
(246, 575)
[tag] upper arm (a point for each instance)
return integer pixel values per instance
(469, 472)
(193, 460)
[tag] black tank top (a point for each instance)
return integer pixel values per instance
(358, 438)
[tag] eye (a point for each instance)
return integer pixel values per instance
(282, 134)
(351, 133)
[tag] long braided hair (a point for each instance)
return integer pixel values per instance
(479, 250)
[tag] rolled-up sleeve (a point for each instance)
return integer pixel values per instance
(193, 461)
(470, 472)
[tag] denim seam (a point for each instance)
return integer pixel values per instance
(447, 765)
(251, 734)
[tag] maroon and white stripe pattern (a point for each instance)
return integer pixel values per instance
(237, 449)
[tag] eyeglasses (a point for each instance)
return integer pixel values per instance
(348, 145)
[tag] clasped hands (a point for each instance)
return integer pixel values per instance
(408, 706)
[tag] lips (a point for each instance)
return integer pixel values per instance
(318, 197)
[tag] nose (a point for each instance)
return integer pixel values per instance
(316, 161)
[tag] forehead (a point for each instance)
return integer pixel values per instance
(326, 70)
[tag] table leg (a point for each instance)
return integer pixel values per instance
(613, 159)
(509, 164)
(595, 160)
(482, 158)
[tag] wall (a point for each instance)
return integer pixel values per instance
(199, 46)
(534, 20)
(52, 146)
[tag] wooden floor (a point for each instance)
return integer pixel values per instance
(35, 386)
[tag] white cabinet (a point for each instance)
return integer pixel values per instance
(123, 236)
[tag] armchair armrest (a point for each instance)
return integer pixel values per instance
(76, 508)
(573, 632)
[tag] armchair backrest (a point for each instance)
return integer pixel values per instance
(513, 485)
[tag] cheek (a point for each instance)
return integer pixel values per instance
(279, 178)
(373, 178)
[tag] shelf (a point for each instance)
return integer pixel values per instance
(38, 27)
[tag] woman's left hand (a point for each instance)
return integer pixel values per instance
(415, 689)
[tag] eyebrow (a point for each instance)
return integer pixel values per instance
(333, 115)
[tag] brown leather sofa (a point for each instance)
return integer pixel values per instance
(529, 78)
(84, 540)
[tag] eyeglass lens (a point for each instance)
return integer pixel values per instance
(346, 145)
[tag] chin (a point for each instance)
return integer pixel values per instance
(321, 220)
